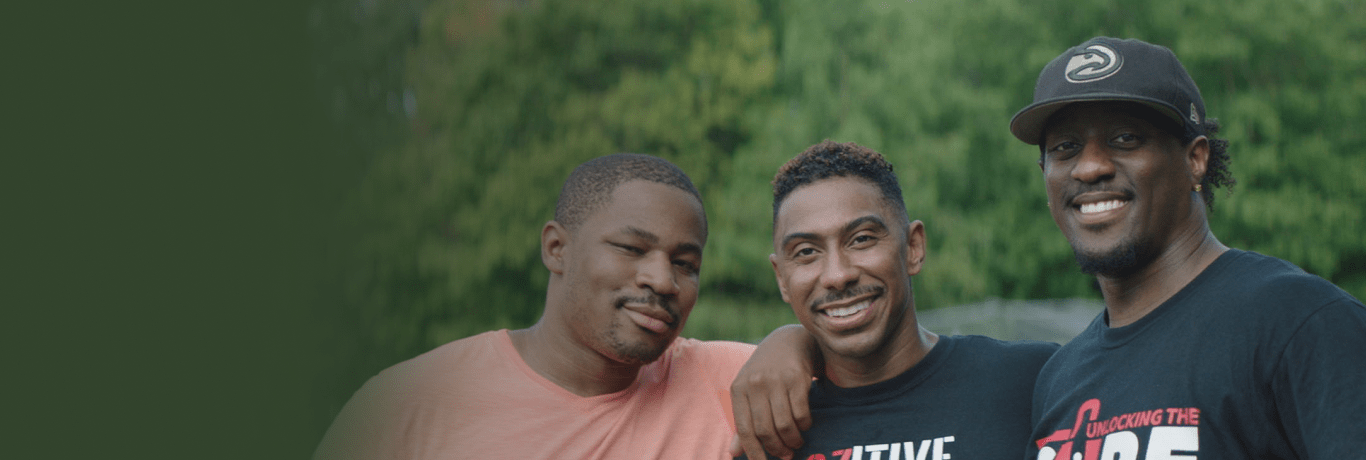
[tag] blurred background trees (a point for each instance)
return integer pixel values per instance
(469, 114)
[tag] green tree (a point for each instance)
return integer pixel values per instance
(504, 113)
(510, 96)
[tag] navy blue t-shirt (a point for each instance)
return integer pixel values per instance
(1254, 359)
(968, 399)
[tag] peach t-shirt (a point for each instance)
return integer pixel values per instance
(477, 398)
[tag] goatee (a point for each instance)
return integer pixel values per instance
(1117, 262)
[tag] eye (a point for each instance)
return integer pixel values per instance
(862, 240)
(1127, 140)
(629, 248)
(686, 266)
(803, 254)
(1063, 149)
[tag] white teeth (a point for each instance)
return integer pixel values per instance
(1103, 206)
(846, 311)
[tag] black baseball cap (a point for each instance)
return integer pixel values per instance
(1111, 69)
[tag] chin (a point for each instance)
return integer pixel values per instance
(856, 347)
(639, 352)
(1118, 261)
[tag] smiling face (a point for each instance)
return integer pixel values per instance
(843, 259)
(630, 270)
(1119, 187)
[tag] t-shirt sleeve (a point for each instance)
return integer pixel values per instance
(725, 358)
(355, 433)
(378, 420)
(1319, 382)
(720, 361)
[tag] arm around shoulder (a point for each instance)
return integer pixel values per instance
(769, 396)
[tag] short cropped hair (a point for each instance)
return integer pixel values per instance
(590, 186)
(833, 159)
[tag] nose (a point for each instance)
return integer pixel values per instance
(656, 272)
(838, 273)
(1094, 164)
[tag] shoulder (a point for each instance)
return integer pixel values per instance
(487, 346)
(1007, 349)
(1278, 287)
(1013, 356)
(441, 367)
(395, 397)
(717, 355)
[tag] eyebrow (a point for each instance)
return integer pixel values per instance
(849, 227)
(654, 239)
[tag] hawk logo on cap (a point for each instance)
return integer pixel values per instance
(1095, 63)
(1195, 117)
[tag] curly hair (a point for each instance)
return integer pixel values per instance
(833, 159)
(591, 184)
(1217, 173)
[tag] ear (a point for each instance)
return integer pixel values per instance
(915, 247)
(782, 282)
(554, 239)
(1197, 156)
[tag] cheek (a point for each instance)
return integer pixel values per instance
(803, 280)
(687, 289)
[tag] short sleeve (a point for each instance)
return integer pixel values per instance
(1320, 382)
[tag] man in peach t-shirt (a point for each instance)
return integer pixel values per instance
(603, 373)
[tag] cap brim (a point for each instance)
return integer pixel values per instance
(1028, 123)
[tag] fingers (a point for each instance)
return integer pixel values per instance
(801, 408)
(762, 410)
(744, 439)
(784, 424)
(754, 418)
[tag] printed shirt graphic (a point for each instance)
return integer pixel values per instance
(1170, 433)
(1252, 359)
(968, 399)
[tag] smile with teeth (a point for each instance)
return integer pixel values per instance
(849, 310)
(1091, 208)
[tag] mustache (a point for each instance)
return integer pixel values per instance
(1076, 190)
(651, 299)
(851, 292)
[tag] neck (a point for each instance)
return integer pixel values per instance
(906, 349)
(1131, 297)
(554, 354)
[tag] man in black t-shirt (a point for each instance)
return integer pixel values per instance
(1202, 351)
(844, 255)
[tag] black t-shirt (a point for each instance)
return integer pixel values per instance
(1254, 359)
(968, 399)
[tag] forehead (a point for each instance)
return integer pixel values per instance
(828, 204)
(1099, 115)
(651, 206)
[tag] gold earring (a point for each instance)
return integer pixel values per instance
(1197, 187)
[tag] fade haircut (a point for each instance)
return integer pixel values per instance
(591, 184)
(833, 159)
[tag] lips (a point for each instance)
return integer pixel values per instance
(649, 315)
(847, 315)
(841, 312)
(1092, 208)
(1099, 207)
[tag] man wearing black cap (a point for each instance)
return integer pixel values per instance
(1202, 350)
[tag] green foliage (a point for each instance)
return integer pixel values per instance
(504, 112)
(510, 97)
